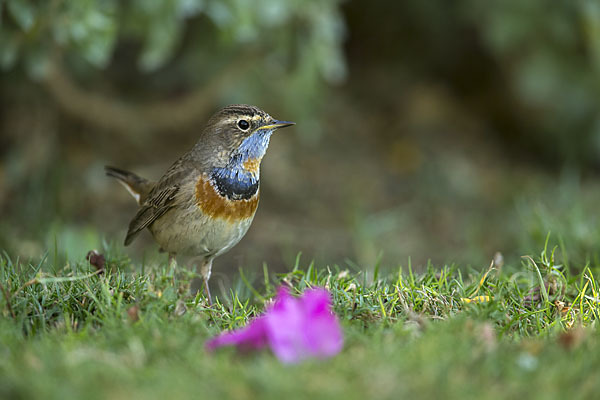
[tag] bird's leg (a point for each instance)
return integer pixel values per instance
(205, 272)
(172, 265)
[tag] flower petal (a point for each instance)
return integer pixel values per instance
(252, 336)
(283, 325)
(304, 327)
(323, 333)
(294, 328)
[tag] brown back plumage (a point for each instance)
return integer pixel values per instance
(161, 198)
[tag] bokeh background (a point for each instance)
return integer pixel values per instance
(426, 130)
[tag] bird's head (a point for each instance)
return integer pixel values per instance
(235, 140)
(241, 134)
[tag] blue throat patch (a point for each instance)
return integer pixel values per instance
(235, 182)
(254, 146)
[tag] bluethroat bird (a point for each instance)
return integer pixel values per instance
(205, 202)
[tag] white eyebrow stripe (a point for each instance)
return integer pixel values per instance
(235, 119)
(256, 117)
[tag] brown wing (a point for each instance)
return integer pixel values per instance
(155, 208)
(161, 199)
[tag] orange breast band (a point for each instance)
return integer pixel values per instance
(252, 165)
(217, 206)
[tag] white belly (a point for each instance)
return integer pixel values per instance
(191, 233)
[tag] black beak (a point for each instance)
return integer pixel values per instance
(275, 124)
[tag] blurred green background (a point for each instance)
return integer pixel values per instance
(435, 130)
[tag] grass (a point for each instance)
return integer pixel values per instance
(69, 331)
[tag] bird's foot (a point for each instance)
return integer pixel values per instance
(207, 292)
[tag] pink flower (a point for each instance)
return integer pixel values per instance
(294, 328)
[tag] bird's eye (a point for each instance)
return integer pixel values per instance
(243, 124)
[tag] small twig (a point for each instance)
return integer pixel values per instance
(8, 298)
(23, 286)
(52, 280)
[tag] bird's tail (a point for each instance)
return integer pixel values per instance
(137, 186)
